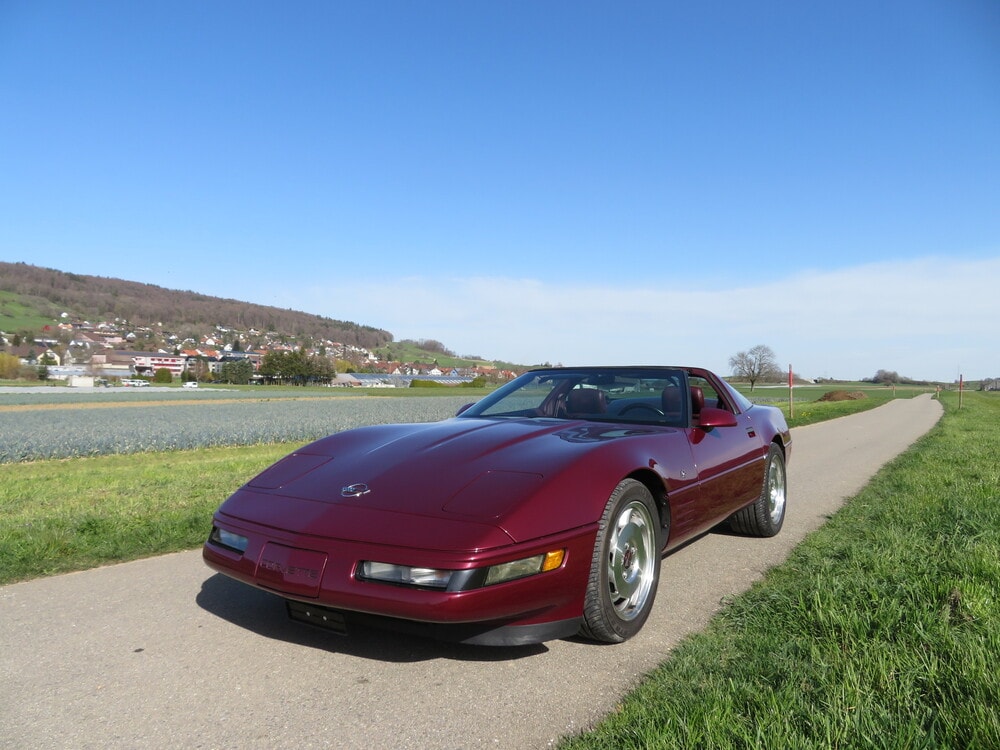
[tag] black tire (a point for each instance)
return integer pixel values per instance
(625, 568)
(767, 514)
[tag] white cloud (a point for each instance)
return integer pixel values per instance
(925, 318)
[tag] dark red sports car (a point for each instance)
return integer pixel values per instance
(540, 512)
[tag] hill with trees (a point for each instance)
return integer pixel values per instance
(38, 293)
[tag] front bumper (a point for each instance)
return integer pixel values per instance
(322, 574)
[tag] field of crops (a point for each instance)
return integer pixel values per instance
(78, 429)
(51, 423)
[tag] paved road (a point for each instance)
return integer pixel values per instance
(162, 653)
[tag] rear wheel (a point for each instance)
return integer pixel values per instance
(625, 566)
(766, 516)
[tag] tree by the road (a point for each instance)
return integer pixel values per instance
(757, 363)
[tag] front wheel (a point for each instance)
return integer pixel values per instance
(767, 514)
(625, 567)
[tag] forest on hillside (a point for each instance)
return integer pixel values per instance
(96, 298)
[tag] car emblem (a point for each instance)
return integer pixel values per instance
(355, 490)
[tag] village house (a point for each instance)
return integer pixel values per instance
(35, 354)
(147, 363)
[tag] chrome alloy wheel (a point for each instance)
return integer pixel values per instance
(776, 490)
(632, 557)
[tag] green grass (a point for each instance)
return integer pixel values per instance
(16, 316)
(882, 630)
(60, 516)
(408, 351)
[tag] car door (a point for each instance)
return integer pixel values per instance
(729, 460)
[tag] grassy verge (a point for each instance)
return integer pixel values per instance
(881, 630)
(58, 516)
(812, 411)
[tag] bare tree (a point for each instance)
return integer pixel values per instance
(757, 363)
(886, 377)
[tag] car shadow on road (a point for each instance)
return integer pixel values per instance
(265, 614)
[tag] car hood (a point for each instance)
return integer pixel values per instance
(478, 472)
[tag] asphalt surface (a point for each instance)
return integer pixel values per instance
(163, 653)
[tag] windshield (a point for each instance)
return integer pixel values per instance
(624, 395)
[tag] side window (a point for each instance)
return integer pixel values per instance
(712, 397)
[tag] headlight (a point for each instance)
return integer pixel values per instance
(405, 575)
(228, 539)
(459, 580)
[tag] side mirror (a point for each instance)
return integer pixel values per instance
(466, 406)
(711, 417)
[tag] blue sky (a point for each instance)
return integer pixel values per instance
(564, 182)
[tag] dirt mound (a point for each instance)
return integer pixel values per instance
(842, 396)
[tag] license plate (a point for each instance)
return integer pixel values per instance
(321, 617)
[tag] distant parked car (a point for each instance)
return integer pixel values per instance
(190, 384)
(539, 512)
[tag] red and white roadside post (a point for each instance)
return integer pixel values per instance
(791, 400)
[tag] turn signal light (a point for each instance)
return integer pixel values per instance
(553, 560)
